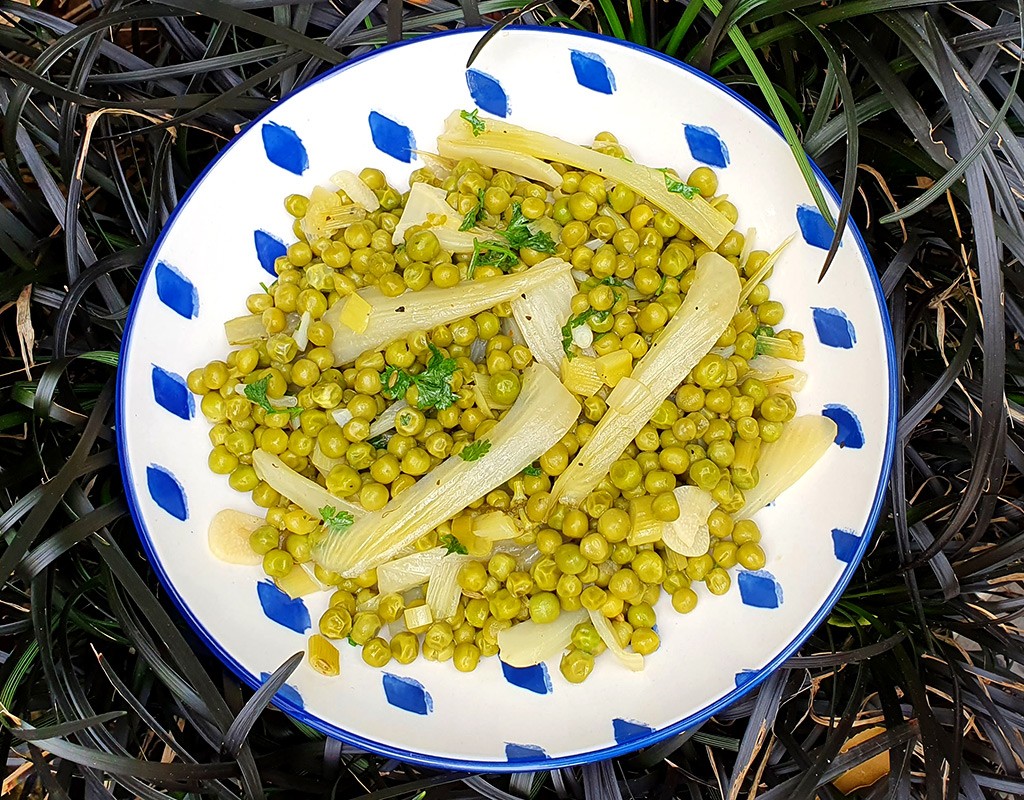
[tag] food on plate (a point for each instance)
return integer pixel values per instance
(511, 411)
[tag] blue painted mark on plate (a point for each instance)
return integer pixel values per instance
(706, 145)
(278, 606)
(524, 752)
(286, 692)
(744, 676)
(845, 544)
(626, 729)
(487, 92)
(814, 228)
(850, 433)
(284, 148)
(392, 137)
(592, 72)
(834, 328)
(268, 250)
(166, 491)
(171, 393)
(760, 589)
(534, 679)
(176, 291)
(407, 694)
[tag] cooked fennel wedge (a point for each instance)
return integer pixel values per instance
(783, 462)
(500, 140)
(540, 314)
(428, 206)
(527, 643)
(392, 318)
(706, 311)
(541, 415)
(308, 495)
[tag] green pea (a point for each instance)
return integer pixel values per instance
(770, 431)
(717, 581)
(505, 387)
(264, 539)
(466, 657)
(649, 566)
(774, 408)
(710, 372)
(721, 452)
(659, 481)
(725, 554)
(626, 474)
(376, 652)
(665, 507)
(277, 563)
(504, 605)
(586, 638)
(405, 647)
(569, 559)
(684, 600)
(704, 474)
(697, 568)
(365, 626)
(644, 641)
(544, 607)
(576, 665)
(749, 555)
(705, 180)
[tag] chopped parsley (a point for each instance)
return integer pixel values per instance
(336, 520)
(677, 186)
(352, 642)
(661, 286)
(475, 450)
(764, 330)
(575, 322)
(518, 234)
(473, 215)
(379, 442)
(434, 383)
(257, 393)
(453, 545)
(265, 288)
(533, 471)
(491, 254)
(473, 118)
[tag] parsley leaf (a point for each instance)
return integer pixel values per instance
(352, 642)
(434, 383)
(764, 330)
(257, 393)
(379, 442)
(336, 520)
(473, 215)
(491, 254)
(518, 234)
(575, 322)
(475, 450)
(533, 471)
(453, 545)
(473, 118)
(678, 187)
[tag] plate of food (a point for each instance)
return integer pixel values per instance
(514, 403)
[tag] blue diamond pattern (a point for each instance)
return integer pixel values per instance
(626, 730)
(176, 291)
(760, 589)
(524, 752)
(834, 328)
(407, 694)
(268, 250)
(392, 137)
(706, 145)
(171, 393)
(850, 434)
(743, 677)
(487, 92)
(591, 72)
(534, 679)
(278, 606)
(166, 491)
(286, 692)
(284, 148)
(813, 227)
(845, 544)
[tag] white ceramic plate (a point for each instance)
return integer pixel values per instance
(370, 112)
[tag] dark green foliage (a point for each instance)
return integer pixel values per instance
(911, 107)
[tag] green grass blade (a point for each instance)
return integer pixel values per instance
(779, 113)
(693, 9)
(611, 19)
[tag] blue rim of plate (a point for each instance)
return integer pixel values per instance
(437, 762)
